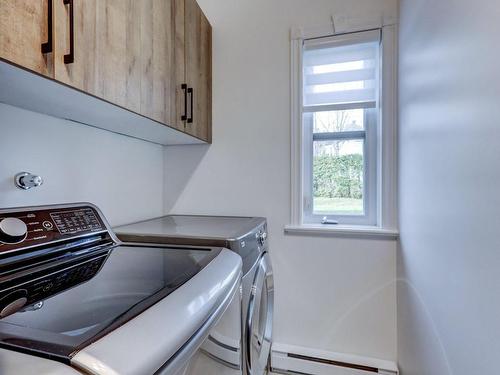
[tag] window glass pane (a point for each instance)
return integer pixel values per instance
(338, 170)
(338, 121)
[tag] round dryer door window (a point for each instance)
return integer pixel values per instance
(259, 325)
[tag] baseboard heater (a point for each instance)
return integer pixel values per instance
(294, 360)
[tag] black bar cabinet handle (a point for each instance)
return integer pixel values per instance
(70, 58)
(190, 92)
(47, 47)
(184, 116)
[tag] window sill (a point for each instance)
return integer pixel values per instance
(349, 231)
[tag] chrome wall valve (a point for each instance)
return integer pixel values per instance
(26, 180)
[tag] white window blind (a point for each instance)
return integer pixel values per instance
(337, 72)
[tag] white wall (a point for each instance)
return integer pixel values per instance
(449, 290)
(122, 175)
(332, 294)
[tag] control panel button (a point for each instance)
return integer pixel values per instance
(12, 230)
(48, 225)
(47, 287)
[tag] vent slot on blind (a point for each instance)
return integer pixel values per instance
(337, 72)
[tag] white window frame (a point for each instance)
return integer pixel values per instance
(369, 137)
(382, 178)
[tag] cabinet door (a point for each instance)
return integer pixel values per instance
(105, 41)
(198, 50)
(81, 72)
(158, 80)
(180, 67)
(24, 27)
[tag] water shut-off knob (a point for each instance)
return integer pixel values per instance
(26, 180)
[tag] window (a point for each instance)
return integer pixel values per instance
(343, 130)
(340, 111)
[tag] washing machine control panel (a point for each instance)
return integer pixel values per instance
(20, 229)
(76, 221)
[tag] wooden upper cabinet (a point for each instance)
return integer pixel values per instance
(157, 58)
(99, 49)
(24, 27)
(152, 57)
(198, 58)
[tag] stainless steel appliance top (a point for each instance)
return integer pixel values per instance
(246, 236)
(226, 228)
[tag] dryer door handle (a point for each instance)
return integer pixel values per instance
(259, 324)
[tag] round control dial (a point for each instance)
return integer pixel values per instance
(12, 230)
(262, 238)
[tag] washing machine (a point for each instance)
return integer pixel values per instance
(73, 298)
(248, 237)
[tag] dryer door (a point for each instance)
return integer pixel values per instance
(259, 322)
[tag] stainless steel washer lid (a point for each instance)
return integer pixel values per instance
(73, 305)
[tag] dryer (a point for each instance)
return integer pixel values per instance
(246, 236)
